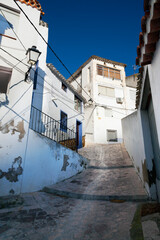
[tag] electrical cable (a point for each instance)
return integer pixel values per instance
(13, 57)
(12, 65)
(38, 82)
(61, 100)
(46, 81)
(49, 46)
(20, 61)
(70, 101)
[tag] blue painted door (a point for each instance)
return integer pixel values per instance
(79, 134)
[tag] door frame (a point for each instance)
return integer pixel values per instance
(79, 134)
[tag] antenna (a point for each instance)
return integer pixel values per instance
(134, 68)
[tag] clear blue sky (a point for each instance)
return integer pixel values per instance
(79, 29)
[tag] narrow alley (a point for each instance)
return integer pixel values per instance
(97, 204)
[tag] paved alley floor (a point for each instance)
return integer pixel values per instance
(97, 204)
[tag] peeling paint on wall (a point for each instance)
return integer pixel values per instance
(10, 127)
(82, 163)
(73, 165)
(19, 128)
(13, 172)
(149, 176)
(65, 163)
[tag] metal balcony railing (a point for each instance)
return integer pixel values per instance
(52, 129)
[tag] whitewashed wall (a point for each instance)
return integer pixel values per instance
(134, 143)
(55, 99)
(47, 162)
(136, 125)
(15, 106)
(97, 124)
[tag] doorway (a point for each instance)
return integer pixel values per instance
(150, 137)
(79, 134)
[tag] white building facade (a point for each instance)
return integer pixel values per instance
(104, 86)
(141, 130)
(32, 125)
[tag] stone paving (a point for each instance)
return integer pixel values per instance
(51, 217)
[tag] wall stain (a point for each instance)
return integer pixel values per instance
(149, 176)
(65, 163)
(10, 127)
(13, 172)
(19, 128)
(145, 172)
(73, 165)
(82, 163)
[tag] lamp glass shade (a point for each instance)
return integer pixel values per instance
(33, 55)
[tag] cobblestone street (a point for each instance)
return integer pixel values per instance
(97, 204)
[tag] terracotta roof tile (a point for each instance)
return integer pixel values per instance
(33, 3)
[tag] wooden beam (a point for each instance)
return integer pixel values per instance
(150, 48)
(153, 37)
(7, 36)
(155, 25)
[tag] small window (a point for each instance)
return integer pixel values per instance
(112, 135)
(63, 122)
(77, 104)
(5, 76)
(106, 91)
(64, 87)
(89, 75)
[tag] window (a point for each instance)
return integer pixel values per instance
(64, 87)
(112, 135)
(77, 104)
(89, 75)
(106, 91)
(108, 72)
(5, 76)
(132, 94)
(63, 123)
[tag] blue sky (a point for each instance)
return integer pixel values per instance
(79, 29)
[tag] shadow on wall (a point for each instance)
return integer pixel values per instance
(38, 76)
(4, 25)
(37, 101)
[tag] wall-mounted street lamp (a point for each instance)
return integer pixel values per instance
(33, 55)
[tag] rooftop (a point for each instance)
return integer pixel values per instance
(32, 3)
(63, 79)
(71, 79)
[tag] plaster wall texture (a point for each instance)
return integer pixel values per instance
(48, 162)
(28, 160)
(130, 99)
(151, 73)
(154, 75)
(142, 156)
(15, 106)
(133, 140)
